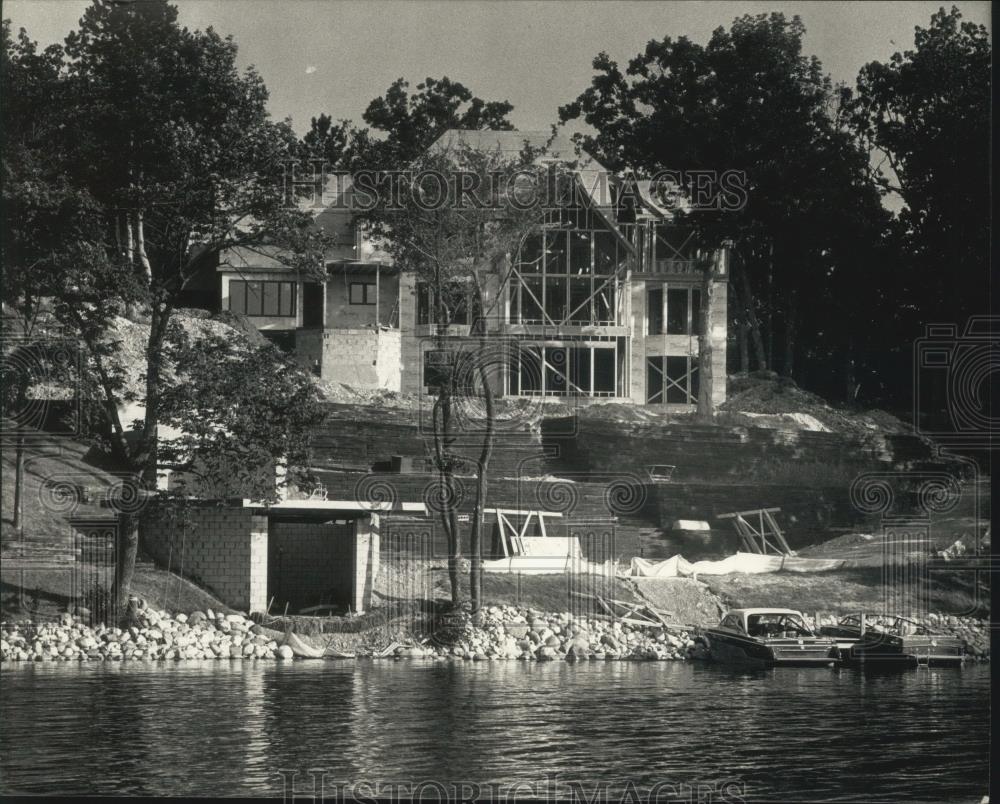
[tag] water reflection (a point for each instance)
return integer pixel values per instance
(229, 729)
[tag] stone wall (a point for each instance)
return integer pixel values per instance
(223, 549)
(356, 438)
(718, 452)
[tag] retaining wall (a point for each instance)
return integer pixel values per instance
(223, 550)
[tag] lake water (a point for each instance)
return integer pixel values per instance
(679, 731)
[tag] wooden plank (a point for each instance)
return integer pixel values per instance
(745, 532)
(744, 513)
(502, 522)
(778, 535)
(503, 539)
(521, 512)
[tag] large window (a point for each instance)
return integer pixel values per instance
(672, 380)
(681, 315)
(363, 293)
(262, 298)
(567, 277)
(563, 370)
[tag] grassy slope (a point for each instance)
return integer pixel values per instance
(847, 590)
(36, 575)
(49, 459)
(860, 586)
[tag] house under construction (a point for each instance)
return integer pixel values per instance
(604, 303)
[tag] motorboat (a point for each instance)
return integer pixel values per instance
(891, 640)
(769, 638)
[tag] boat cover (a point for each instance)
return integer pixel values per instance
(749, 563)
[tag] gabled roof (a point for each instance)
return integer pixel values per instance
(557, 146)
(594, 177)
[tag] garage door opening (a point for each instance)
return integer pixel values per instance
(312, 566)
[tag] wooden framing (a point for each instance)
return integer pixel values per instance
(766, 537)
(537, 348)
(633, 612)
(684, 384)
(509, 530)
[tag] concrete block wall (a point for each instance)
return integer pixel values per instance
(363, 358)
(223, 549)
(367, 533)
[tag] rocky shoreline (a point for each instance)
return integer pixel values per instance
(503, 632)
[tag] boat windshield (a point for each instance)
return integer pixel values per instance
(777, 625)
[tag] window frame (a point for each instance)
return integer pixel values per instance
(284, 285)
(692, 315)
(549, 266)
(574, 361)
(364, 295)
(657, 365)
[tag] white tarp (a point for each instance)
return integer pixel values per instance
(749, 563)
(549, 565)
(551, 546)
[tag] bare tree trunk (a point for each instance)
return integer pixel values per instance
(130, 311)
(770, 305)
(706, 407)
(743, 340)
(751, 315)
(791, 331)
(125, 558)
(449, 519)
(19, 484)
(443, 441)
(140, 244)
(129, 238)
(850, 372)
(482, 476)
(145, 462)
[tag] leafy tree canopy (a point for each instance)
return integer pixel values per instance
(411, 121)
(926, 114)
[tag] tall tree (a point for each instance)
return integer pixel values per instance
(925, 113)
(175, 148)
(327, 139)
(749, 101)
(241, 412)
(411, 121)
(458, 218)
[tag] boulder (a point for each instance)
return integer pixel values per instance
(196, 618)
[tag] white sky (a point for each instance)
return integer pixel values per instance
(334, 56)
